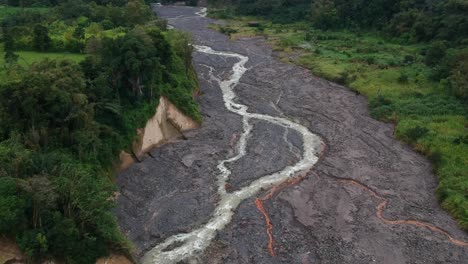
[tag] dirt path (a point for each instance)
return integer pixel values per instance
(369, 199)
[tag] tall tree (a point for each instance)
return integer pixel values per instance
(41, 39)
(137, 12)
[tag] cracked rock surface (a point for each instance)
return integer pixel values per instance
(319, 220)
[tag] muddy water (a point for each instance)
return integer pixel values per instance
(183, 246)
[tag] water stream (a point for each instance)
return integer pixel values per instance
(183, 246)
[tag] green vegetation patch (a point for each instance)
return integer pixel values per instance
(75, 84)
(6, 11)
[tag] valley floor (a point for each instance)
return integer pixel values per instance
(352, 207)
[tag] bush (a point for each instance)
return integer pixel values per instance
(461, 140)
(403, 78)
(409, 59)
(345, 78)
(381, 107)
(75, 46)
(107, 24)
(370, 60)
(436, 52)
(436, 158)
(11, 57)
(225, 13)
(227, 30)
(41, 39)
(459, 75)
(191, 2)
(415, 133)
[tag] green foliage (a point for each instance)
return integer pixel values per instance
(414, 133)
(459, 75)
(48, 105)
(227, 30)
(191, 2)
(137, 12)
(324, 14)
(71, 9)
(224, 13)
(410, 20)
(403, 78)
(11, 57)
(41, 40)
(12, 207)
(62, 124)
(436, 53)
(381, 107)
(136, 61)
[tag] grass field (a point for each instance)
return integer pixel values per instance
(396, 81)
(27, 58)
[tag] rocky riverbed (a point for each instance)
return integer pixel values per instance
(352, 207)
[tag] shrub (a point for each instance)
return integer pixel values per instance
(381, 107)
(459, 75)
(107, 24)
(11, 57)
(403, 78)
(409, 59)
(286, 42)
(435, 53)
(191, 2)
(75, 46)
(41, 39)
(370, 60)
(461, 140)
(227, 30)
(435, 157)
(345, 78)
(415, 133)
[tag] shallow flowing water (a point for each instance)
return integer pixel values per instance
(183, 246)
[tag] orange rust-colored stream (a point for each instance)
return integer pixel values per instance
(276, 189)
(259, 203)
(384, 202)
(269, 225)
(261, 208)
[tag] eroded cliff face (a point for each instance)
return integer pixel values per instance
(168, 123)
(114, 259)
(10, 252)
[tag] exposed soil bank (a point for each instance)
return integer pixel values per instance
(168, 123)
(319, 220)
(10, 252)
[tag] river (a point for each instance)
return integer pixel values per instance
(248, 186)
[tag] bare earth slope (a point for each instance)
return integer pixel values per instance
(369, 199)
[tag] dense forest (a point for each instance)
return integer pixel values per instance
(77, 79)
(409, 57)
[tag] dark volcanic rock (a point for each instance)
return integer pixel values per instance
(320, 220)
(271, 145)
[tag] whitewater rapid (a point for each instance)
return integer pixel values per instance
(183, 246)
